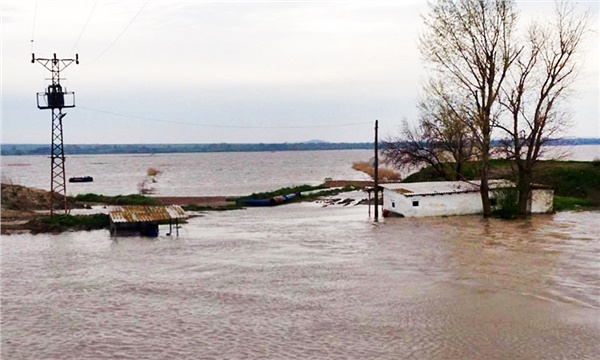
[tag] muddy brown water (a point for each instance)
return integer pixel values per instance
(309, 282)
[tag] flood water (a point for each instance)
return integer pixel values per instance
(304, 281)
(196, 174)
(309, 282)
(211, 174)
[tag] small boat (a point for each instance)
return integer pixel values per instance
(277, 200)
(78, 179)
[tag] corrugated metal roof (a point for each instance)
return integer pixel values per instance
(132, 214)
(443, 187)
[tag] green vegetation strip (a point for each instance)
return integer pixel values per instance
(569, 179)
(563, 203)
(577, 179)
(62, 223)
(133, 199)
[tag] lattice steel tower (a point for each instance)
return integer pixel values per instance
(56, 99)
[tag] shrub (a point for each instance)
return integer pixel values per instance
(152, 172)
(507, 203)
(383, 173)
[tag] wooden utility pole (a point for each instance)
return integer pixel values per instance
(376, 173)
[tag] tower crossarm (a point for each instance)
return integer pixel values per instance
(55, 64)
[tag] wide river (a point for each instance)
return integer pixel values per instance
(301, 281)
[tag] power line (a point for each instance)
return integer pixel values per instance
(121, 34)
(84, 27)
(33, 26)
(224, 126)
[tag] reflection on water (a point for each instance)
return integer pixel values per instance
(545, 256)
(306, 282)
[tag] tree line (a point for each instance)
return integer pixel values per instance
(99, 149)
(95, 149)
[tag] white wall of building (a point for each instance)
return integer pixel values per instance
(432, 205)
(542, 201)
(454, 203)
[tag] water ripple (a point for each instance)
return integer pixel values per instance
(304, 282)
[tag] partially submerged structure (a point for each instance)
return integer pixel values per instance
(144, 220)
(453, 198)
(276, 200)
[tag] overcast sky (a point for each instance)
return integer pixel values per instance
(230, 71)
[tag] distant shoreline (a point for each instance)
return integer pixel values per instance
(106, 149)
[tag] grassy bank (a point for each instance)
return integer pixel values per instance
(574, 179)
(576, 184)
(60, 223)
(21, 200)
(133, 199)
(563, 203)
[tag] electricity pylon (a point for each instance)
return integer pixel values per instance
(54, 99)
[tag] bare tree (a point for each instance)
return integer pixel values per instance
(440, 140)
(541, 79)
(469, 44)
(413, 149)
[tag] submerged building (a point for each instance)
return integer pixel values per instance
(453, 198)
(144, 220)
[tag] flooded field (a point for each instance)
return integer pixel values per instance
(210, 174)
(199, 174)
(309, 282)
(300, 281)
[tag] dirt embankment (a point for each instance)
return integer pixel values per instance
(18, 205)
(24, 209)
(17, 197)
(193, 200)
